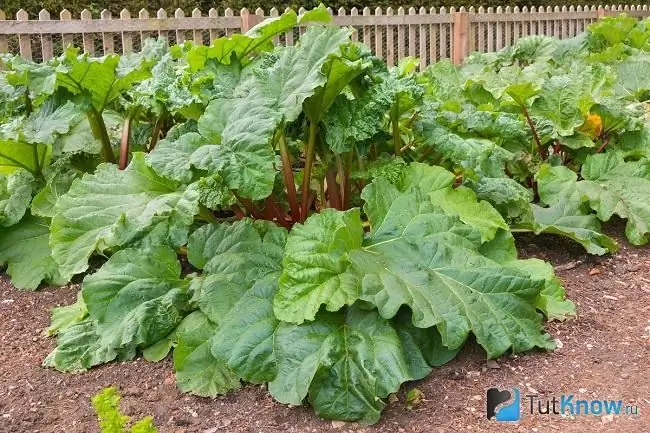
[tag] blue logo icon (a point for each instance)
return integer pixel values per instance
(509, 412)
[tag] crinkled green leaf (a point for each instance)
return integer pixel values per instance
(507, 195)
(555, 184)
(80, 137)
(344, 364)
(559, 101)
(197, 371)
(552, 299)
(15, 196)
(79, 348)
(137, 297)
(233, 257)
(112, 207)
(566, 218)
(103, 79)
(171, 159)
(64, 317)
(463, 202)
(614, 186)
(315, 266)
(24, 248)
(249, 350)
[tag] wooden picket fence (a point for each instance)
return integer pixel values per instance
(429, 34)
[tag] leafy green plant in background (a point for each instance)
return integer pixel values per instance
(111, 420)
(299, 215)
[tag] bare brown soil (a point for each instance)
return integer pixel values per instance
(604, 353)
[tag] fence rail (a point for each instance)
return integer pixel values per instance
(430, 34)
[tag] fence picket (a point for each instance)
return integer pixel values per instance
(24, 41)
(197, 35)
(107, 38)
(127, 38)
(422, 30)
(390, 42)
(46, 39)
(401, 43)
(379, 36)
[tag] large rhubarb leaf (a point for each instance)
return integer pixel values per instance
(552, 299)
(135, 300)
(196, 370)
(567, 219)
(315, 266)
(24, 248)
(111, 207)
(233, 258)
(614, 186)
(344, 364)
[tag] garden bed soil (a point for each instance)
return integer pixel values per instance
(604, 354)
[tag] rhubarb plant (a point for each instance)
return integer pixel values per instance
(306, 217)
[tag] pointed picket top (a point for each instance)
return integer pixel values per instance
(22, 15)
(443, 10)
(178, 13)
(196, 13)
(378, 11)
(86, 15)
(524, 10)
(452, 10)
(341, 12)
(125, 14)
(508, 9)
(400, 10)
(162, 13)
(389, 11)
(259, 12)
(480, 9)
(412, 11)
(65, 15)
(490, 10)
(515, 10)
(228, 13)
(366, 11)
(302, 10)
(533, 9)
(354, 12)
(43, 15)
(471, 10)
(499, 10)
(105, 14)
(432, 11)
(423, 10)
(462, 9)
(579, 8)
(572, 8)
(213, 13)
(330, 10)
(274, 12)
(143, 14)
(549, 9)
(243, 12)
(564, 9)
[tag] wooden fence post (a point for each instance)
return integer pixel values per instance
(248, 20)
(461, 36)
